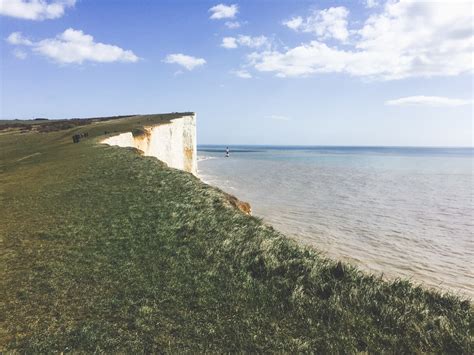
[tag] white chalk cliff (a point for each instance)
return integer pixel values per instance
(172, 142)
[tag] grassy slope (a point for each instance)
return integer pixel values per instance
(103, 249)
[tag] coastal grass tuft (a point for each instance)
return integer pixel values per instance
(104, 250)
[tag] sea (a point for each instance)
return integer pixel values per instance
(396, 211)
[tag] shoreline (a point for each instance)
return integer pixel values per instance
(386, 272)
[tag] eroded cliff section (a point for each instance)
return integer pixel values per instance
(173, 142)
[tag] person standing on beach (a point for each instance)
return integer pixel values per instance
(227, 152)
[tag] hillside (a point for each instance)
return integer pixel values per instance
(104, 249)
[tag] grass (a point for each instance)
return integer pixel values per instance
(105, 250)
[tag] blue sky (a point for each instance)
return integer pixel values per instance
(292, 72)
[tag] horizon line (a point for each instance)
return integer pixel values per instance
(333, 145)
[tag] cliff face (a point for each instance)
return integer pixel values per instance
(173, 143)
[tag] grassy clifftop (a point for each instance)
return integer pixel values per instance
(106, 250)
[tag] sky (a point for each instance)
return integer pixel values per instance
(361, 72)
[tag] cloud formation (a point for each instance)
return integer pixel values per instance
(35, 9)
(232, 24)
(294, 23)
(371, 3)
(74, 46)
(223, 11)
(405, 39)
(16, 38)
(434, 101)
(229, 42)
(247, 41)
(328, 23)
(243, 74)
(186, 61)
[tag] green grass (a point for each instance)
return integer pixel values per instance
(106, 250)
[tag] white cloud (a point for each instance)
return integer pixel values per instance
(16, 38)
(327, 23)
(232, 24)
(20, 54)
(406, 39)
(279, 118)
(371, 3)
(229, 42)
(247, 41)
(253, 42)
(73, 46)
(294, 23)
(315, 57)
(244, 74)
(435, 101)
(35, 9)
(186, 61)
(222, 11)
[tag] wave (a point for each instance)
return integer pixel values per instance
(203, 158)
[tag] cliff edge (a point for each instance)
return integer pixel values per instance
(172, 142)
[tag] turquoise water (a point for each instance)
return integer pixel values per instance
(403, 212)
